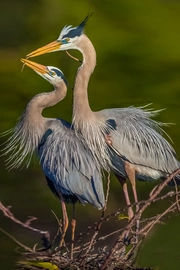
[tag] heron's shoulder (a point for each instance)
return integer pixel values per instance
(126, 113)
(57, 124)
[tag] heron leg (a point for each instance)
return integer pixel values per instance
(131, 175)
(126, 194)
(73, 226)
(65, 221)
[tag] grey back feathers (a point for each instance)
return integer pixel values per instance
(70, 165)
(137, 139)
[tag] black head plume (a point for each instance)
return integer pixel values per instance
(72, 32)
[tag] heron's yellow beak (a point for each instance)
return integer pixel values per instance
(35, 66)
(51, 47)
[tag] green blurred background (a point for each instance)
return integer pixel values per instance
(138, 62)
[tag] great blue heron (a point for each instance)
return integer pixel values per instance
(126, 140)
(70, 169)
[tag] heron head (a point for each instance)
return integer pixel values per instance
(52, 74)
(66, 40)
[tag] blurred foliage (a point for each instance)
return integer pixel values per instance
(138, 62)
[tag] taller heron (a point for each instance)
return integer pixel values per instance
(125, 140)
(70, 169)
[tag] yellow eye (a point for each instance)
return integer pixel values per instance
(67, 39)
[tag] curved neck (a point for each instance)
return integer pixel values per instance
(41, 101)
(81, 104)
(32, 123)
(31, 126)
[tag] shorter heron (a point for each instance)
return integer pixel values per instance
(70, 169)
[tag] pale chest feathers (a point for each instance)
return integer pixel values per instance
(94, 133)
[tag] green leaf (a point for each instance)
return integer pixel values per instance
(39, 264)
(122, 216)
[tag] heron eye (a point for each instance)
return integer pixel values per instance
(65, 40)
(52, 73)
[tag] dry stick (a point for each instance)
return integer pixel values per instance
(26, 224)
(106, 218)
(107, 192)
(102, 216)
(139, 213)
(114, 214)
(177, 193)
(169, 194)
(142, 231)
(128, 256)
(80, 236)
(161, 215)
(100, 221)
(93, 241)
(76, 59)
(23, 67)
(127, 259)
(148, 227)
(85, 245)
(16, 241)
(59, 221)
(102, 238)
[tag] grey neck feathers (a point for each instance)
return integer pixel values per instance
(27, 134)
(44, 100)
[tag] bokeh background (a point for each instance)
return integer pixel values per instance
(138, 62)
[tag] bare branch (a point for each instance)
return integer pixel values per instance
(88, 256)
(45, 234)
(16, 241)
(131, 223)
(101, 219)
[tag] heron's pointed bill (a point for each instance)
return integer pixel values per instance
(35, 66)
(51, 47)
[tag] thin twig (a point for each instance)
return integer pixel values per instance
(76, 59)
(100, 221)
(160, 216)
(59, 228)
(107, 192)
(88, 257)
(177, 195)
(85, 245)
(136, 216)
(6, 211)
(16, 241)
